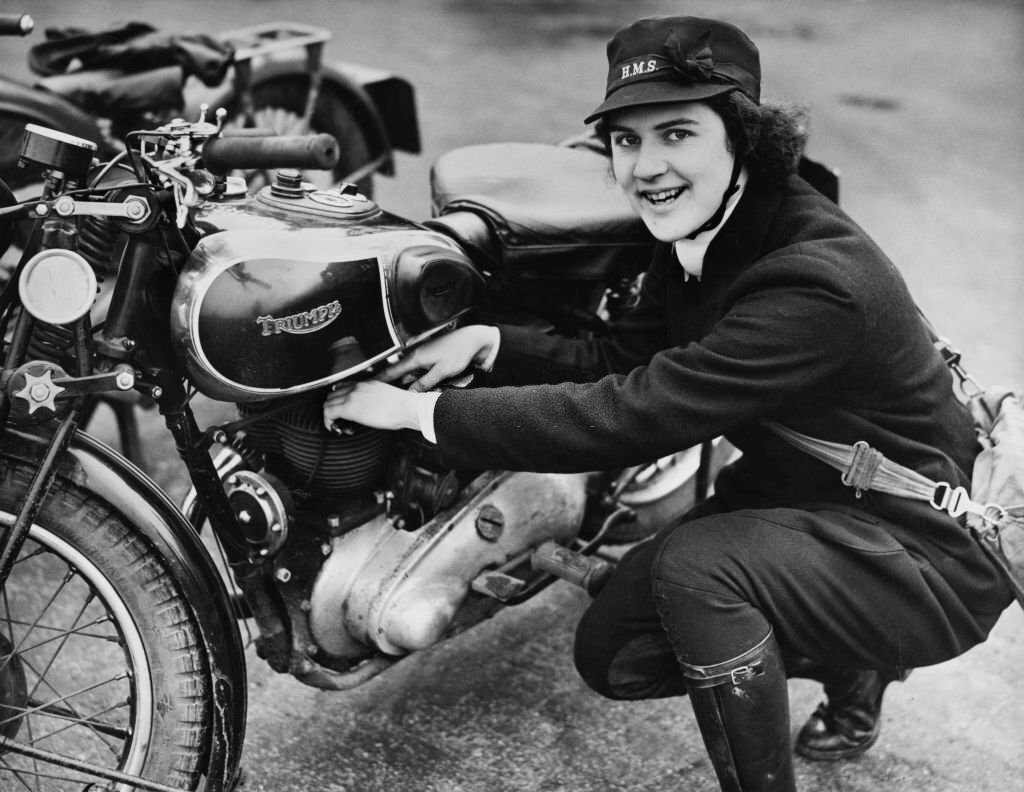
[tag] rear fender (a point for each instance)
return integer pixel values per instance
(96, 467)
(20, 104)
(383, 104)
(47, 109)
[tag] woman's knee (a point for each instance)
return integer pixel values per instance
(699, 581)
(593, 650)
(642, 666)
(697, 553)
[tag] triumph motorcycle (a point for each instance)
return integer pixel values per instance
(100, 85)
(122, 663)
(269, 78)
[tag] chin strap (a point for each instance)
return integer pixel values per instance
(716, 218)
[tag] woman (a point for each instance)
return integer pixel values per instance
(763, 302)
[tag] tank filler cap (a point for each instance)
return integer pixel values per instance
(291, 193)
(287, 184)
(343, 202)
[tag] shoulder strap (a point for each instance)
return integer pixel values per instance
(865, 468)
(862, 467)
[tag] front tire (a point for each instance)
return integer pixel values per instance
(100, 659)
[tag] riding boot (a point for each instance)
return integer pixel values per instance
(742, 709)
(847, 723)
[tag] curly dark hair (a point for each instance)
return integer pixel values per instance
(770, 138)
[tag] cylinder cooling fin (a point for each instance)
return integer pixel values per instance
(302, 452)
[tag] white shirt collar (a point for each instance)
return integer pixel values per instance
(690, 252)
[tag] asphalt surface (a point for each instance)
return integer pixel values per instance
(918, 103)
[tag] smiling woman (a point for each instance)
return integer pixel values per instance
(674, 163)
(766, 140)
(763, 302)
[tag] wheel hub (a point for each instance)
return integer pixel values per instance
(13, 690)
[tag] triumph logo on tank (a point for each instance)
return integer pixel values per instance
(300, 323)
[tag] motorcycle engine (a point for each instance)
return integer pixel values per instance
(363, 544)
(301, 452)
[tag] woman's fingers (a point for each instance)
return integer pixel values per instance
(406, 365)
(431, 379)
(442, 357)
(371, 403)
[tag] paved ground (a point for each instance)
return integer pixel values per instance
(918, 102)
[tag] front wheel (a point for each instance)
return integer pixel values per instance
(100, 663)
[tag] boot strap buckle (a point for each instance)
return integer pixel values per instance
(745, 673)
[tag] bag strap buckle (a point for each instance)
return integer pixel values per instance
(956, 501)
(864, 463)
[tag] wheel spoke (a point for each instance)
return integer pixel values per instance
(41, 643)
(51, 707)
(85, 767)
(89, 606)
(37, 775)
(49, 603)
(19, 774)
(62, 631)
(62, 642)
(91, 721)
(44, 706)
(73, 718)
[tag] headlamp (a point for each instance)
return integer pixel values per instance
(57, 286)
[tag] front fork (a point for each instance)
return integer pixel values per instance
(128, 312)
(57, 232)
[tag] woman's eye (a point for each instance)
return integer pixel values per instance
(678, 134)
(624, 139)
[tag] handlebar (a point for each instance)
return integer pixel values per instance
(307, 152)
(16, 24)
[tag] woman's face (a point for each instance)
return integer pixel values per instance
(673, 163)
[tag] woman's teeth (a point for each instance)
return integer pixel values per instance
(663, 196)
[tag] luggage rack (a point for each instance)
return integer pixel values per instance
(270, 37)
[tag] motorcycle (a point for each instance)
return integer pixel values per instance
(269, 78)
(121, 657)
(272, 77)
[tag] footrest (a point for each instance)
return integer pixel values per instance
(581, 570)
(497, 585)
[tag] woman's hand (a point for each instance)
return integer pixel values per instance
(374, 404)
(444, 357)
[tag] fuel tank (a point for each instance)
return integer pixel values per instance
(286, 293)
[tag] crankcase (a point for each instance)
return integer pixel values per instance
(398, 591)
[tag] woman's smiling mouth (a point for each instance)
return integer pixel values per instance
(661, 197)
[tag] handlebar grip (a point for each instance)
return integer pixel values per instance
(16, 24)
(309, 152)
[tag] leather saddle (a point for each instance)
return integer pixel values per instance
(539, 211)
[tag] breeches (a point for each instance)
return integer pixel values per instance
(834, 585)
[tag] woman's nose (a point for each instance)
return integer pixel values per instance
(649, 163)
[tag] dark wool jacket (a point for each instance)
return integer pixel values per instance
(799, 318)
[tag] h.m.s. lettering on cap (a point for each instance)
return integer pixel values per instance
(638, 68)
(678, 59)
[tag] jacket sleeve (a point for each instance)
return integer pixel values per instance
(529, 357)
(787, 329)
